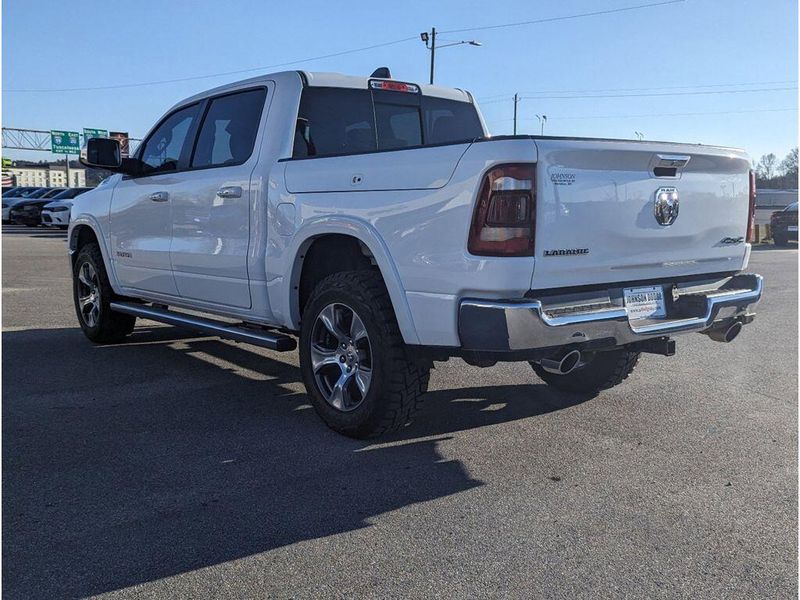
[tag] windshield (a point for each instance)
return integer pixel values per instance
(791, 208)
(70, 193)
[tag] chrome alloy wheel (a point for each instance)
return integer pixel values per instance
(89, 294)
(341, 357)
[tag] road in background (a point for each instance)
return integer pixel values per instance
(177, 465)
(763, 215)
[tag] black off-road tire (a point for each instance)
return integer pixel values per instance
(399, 379)
(111, 327)
(603, 370)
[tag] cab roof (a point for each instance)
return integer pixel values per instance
(316, 79)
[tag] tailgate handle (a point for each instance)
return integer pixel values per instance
(672, 160)
(668, 165)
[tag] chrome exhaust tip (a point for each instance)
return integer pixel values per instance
(562, 364)
(726, 333)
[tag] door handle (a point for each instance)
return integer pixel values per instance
(231, 191)
(159, 196)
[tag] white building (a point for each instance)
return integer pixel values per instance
(54, 176)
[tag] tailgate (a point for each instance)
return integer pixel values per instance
(600, 219)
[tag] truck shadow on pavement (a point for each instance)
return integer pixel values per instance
(129, 463)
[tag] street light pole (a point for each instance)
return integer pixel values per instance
(542, 121)
(429, 37)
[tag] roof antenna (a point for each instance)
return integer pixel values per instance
(382, 72)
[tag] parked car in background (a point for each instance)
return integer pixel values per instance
(37, 193)
(14, 196)
(784, 225)
(56, 214)
(28, 211)
(52, 192)
(19, 192)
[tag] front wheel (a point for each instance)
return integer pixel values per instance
(360, 377)
(596, 371)
(92, 294)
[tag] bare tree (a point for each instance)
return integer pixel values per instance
(766, 166)
(789, 165)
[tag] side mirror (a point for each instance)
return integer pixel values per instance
(102, 153)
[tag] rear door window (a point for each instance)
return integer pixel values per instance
(229, 129)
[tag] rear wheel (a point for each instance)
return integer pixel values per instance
(92, 294)
(780, 240)
(597, 371)
(360, 377)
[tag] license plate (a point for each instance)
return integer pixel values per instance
(645, 302)
(792, 227)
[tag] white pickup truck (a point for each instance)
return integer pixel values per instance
(379, 224)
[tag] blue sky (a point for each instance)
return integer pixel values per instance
(661, 57)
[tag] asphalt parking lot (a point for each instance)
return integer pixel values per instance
(183, 466)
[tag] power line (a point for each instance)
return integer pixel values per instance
(781, 89)
(562, 97)
(221, 74)
(335, 54)
(647, 89)
(566, 17)
(685, 114)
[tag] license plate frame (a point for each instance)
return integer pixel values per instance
(645, 302)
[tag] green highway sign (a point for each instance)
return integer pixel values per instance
(94, 133)
(65, 142)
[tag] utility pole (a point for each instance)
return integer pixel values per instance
(516, 101)
(433, 50)
(429, 37)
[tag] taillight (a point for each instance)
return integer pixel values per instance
(751, 207)
(505, 215)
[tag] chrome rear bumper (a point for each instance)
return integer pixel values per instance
(553, 321)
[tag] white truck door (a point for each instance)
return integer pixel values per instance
(211, 211)
(141, 206)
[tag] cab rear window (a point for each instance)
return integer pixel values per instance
(336, 121)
